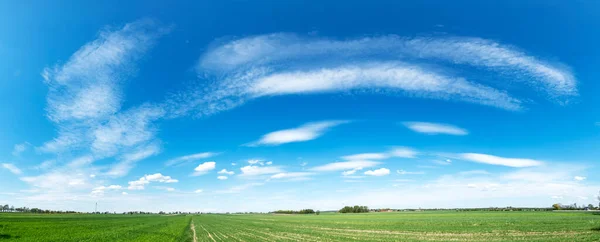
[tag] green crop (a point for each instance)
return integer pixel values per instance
(396, 226)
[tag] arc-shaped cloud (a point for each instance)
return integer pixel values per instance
(284, 64)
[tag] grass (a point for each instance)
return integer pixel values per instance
(402, 226)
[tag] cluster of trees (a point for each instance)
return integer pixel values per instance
(303, 211)
(7, 208)
(355, 209)
(574, 206)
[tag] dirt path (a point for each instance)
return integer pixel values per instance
(193, 228)
(209, 235)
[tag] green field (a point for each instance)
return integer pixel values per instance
(400, 226)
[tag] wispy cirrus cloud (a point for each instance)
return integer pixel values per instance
(306, 132)
(345, 165)
(259, 170)
(501, 161)
(402, 152)
(283, 64)
(12, 168)
(127, 161)
(189, 158)
(435, 128)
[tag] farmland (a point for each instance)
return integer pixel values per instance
(399, 226)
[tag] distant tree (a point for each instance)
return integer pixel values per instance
(598, 198)
(318, 212)
(556, 206)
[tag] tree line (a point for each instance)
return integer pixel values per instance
(303, 211)
(355, 209)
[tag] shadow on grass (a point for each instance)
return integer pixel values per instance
(7, 236)
(597, 229)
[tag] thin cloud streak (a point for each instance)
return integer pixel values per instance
(435, 128)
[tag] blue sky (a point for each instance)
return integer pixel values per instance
(258, 106)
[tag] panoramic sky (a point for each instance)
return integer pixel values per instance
(219, 106)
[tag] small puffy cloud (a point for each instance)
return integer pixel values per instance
(222, 177)
(579, 178)
(435, 128)
(351, 172)
(12, 168)
(92, 175)
(224, 171)
(139, 184)
(403, 172)
(501, 161)
(306, 132)
(269, 163)
(557, 197)
(124, 193)
(258, 170)
(345, 165)
(198, 191)
(378, 172)
(204, 168)
(189, 158)
(233, 164)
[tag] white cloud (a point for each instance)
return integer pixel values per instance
(501, 161)
(99, 191)
(259, 170)
(293, 175)
(403, 152)
(87, 85)
(127, 161)
(403, 172)
(284, 64)
(222, 177)
(190, 158)
(124, 193)
(199, 191)
(46, 164)
(269, 163)
(435, 128)
(19, 148)
(224, 171)
(233, 164)
(255, 161)
(579, 178)
(61, 180)
(126, 129)
(12, 168)
(345, 165)
(351, 172)
(204, 168)
(157, 177)
(378, 172)
(366, 156)
(81, 161)
(264, 50)
(303, 133)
